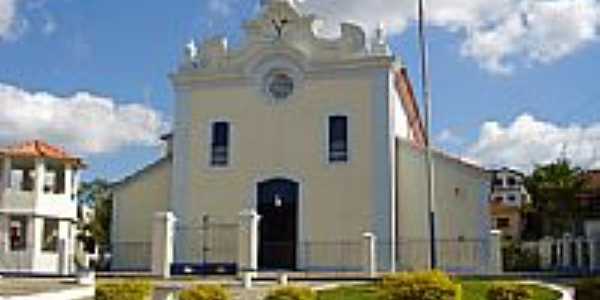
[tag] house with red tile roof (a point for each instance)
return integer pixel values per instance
(38, 208)
(589, 201)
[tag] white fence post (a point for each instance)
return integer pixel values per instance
(567, 253)
(545, 251)
(248, 245)
(592, 254)
(370, 260)
(162, 244)
(496, 264)
(579, 248)
(63, 257)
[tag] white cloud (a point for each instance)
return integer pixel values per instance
(8, 12)
(394, 14)
(50, 26)
(449, 137)
(498, 34)
(529, 141)
(18, 16)
(83, 122)
(220, 7)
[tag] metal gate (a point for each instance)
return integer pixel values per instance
(208, 245)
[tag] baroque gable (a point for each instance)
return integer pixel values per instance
(282, 34)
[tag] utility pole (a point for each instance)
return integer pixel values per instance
(425, 81)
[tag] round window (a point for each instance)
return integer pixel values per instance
(280, 86)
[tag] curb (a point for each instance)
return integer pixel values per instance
(71, 294)
(567, 293)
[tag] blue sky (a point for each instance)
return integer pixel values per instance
(505, 105)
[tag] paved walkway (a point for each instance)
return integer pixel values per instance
(25, 286)
(259, 290)
(47, 289)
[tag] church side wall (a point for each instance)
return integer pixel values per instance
(135, 204)
(461, 212)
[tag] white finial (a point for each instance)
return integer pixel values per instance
(380, 34)
(379, 45)
(191, 49)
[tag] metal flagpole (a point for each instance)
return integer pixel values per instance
(425, 81)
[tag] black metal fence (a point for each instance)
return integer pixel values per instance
(207, 245)
(211, 246)
(452, 255)
(332, 256)
(134, 256)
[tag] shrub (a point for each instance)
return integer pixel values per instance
(587, 289)
(292, 293)
(136, 290)
(419, 286)
(519, 259)
(205, 292)
(507, 291)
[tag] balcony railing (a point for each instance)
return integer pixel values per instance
(17, 201)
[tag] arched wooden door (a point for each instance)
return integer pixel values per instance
(278, 206)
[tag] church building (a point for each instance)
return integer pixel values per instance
(322, 137)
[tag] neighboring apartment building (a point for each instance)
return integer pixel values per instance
(507, 199)
(38, 209)
(322, 137)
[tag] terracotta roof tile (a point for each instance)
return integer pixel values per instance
(37, 148)
(408, 100)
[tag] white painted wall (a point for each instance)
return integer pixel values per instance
(592, 229)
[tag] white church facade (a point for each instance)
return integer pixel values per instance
(323, 138)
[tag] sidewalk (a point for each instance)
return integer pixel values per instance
(567, 293)
(47, 289)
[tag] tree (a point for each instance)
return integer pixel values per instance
(554, 210)
(97, 194)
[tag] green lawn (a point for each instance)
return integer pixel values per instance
(472, 290)
(477, 290)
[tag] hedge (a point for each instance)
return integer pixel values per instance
(292, 293)
(587, 289)
(135, 290)
(419, 286)
(205, 292)
(508, 291)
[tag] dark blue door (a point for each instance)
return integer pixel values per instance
(278, 206)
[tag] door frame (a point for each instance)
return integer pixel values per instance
(300, 238)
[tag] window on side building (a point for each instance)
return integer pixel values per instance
(50, 235)
(512, 182)
(502, 223)
(18, 233)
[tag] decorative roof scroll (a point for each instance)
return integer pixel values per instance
(282, 28)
